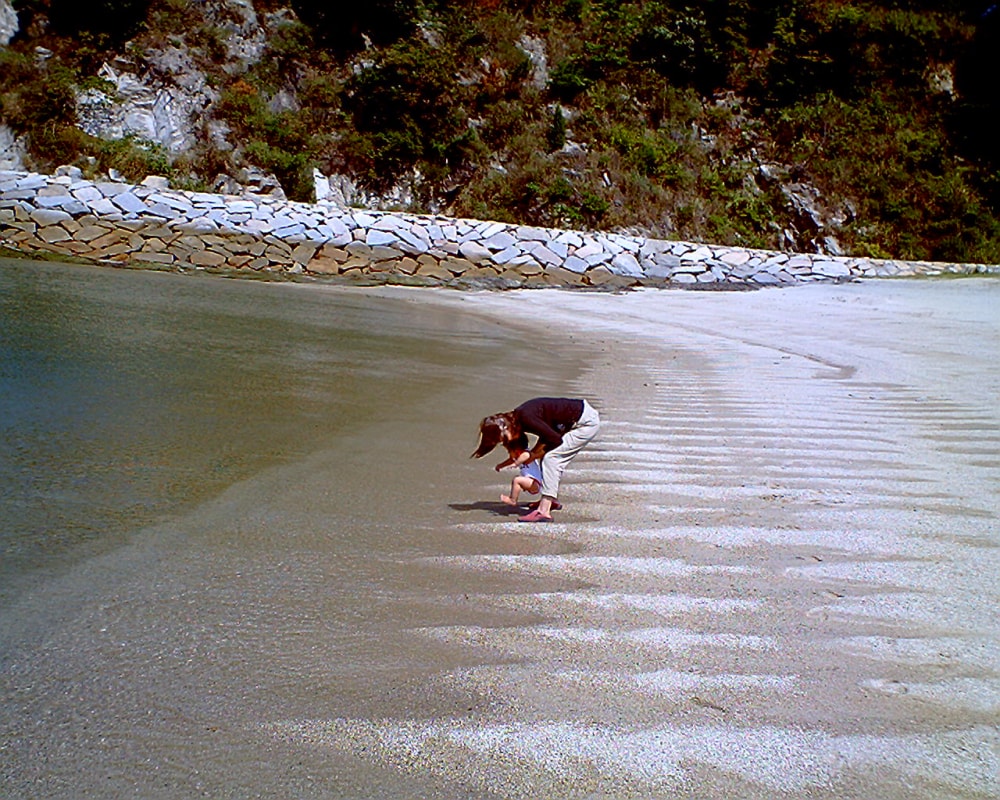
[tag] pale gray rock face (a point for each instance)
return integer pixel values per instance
(161, 104)
(343, 192)
(245, 39)
(534, 49)
(12, 150)
(163, 97)
(249, 181)
(817, 222)
(8, 22)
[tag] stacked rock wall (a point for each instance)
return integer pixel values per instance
(153, 226)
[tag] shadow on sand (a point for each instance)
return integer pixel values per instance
(493, 506)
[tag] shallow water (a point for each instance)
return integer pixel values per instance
(127, 396)
(215, 499)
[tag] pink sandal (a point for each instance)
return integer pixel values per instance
(556, 505)
(535, 516)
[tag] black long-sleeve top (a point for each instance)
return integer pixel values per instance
(548, 418)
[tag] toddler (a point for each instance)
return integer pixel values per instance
(529, 478)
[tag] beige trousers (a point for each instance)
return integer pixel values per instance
(574, 440)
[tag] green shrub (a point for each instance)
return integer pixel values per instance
(133, 158)
(682, 47)
(406, 110)
(292, 41)
(654, 154)
(117, 20)
(555, 136)
(568, 79)
(292, 169)
(345, 26)
(36, 96)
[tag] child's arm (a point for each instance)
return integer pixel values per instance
(503, 464)
(522, 457)
(517, 458)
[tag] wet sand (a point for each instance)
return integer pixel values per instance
(779, 572)
(776, 575)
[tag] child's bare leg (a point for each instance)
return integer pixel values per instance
(516, 486)
(511, 499)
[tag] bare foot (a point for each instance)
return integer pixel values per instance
(504, 498)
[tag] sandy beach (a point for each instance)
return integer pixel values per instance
(777, 573)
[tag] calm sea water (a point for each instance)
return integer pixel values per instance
(216, 500)
(125, 396)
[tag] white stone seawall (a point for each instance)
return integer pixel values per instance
(154, 227)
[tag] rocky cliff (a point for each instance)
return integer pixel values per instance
(799, 129)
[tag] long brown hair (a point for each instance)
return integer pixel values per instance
(491, 431)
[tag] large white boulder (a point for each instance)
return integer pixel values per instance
(8, 22)
(12, 150)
